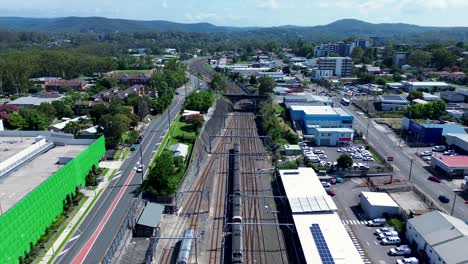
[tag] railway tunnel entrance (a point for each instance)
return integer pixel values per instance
(246, 103)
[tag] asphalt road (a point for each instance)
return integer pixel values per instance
(126, 181)
(402, 163)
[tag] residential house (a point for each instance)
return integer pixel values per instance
(36, 99)
(57, 84)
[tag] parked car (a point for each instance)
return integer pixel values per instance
(133, 147)
(363, 167)
(318, 151)
(427, 158)
(411, 260)
(434, 179)
(439, 148)
(390, 158)
(323, 163)
(383, 230)
(388, 234)
(444, 198)
(326, 184)
(314, 159)
(391, 241)
(322, 156)
(425, 153)
(449, 152)
(368, 159)
(376, 222)
(339, 179)
(403, 250)
(341, 150)
(329, 164)
(331, 192)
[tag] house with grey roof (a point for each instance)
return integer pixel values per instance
(439, 238)
(179, 150)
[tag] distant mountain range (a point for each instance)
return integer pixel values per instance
(336, 30)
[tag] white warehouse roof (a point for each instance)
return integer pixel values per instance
(379, 199)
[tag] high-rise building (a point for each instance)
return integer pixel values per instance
(334, 66)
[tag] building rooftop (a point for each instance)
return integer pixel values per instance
(291, 147)
(427, 83)
(462, 136)
(305, 191)
(319, 110)
(9, 146)
(33, 100)
(21, 182)
(454, 161)
(334, 129)
(151, 215)
(392, 99)
(420, 101)
(379, 199)
(447, 128)
(447, 235)
(335, 239)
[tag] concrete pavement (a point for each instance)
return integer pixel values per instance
(385, 143)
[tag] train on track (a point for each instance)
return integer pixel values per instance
(185, 247)
(236, 227)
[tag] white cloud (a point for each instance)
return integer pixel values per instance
(164, 4)
(269, 4)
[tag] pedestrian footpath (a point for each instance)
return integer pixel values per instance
(354, 222)
(356, 243)
(92, 195)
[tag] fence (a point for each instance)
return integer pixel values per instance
(127, 223)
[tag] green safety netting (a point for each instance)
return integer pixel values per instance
(27, 220)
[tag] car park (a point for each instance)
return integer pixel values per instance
(439, 148)
(434, 179)
(411, 260)
(391, 241)
(444, 199)
(388, 234)
(403, 250)
(383, 230)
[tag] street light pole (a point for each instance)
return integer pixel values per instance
(142, 167)
(411, 167)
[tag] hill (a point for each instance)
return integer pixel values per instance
(337, 30)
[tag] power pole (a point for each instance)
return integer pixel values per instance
(168, 118)
(411, 167)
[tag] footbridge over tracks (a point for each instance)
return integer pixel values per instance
(255, 99)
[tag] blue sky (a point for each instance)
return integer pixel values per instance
(253, 12)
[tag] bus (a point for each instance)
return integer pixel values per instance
(345, 101)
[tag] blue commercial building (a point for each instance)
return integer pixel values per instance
(327, 125)
(432, 133)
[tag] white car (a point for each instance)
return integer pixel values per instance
(425, 153)
(403, 250)
(427, 158)
(340, 150)
(322, 156)
(368, 159)
(323, 163)
(140, 169)
(318, 151)
(411, 260)
(326, 184)
(357, 156)
(388, 234)
(391, 241)
(384, 229)
(329, 164)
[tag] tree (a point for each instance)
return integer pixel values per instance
(217, 82)
(197, 122)
(142, 108)
(62, 109)
(286, 70)
(199, 101)
(266, 85)
(97, 111)
(344, 161)
(132, 137)
(442, 58)
(17, 121)
(113, 127)
(48, 110)
(415, 95)
(419, 58)
(73, 128)
(253, 80)
(357, 54)
(161, 178)
(33, 119)
(107, 82)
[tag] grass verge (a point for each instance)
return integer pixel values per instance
(74, 227)
(112, 174)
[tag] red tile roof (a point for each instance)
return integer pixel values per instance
(454, 161)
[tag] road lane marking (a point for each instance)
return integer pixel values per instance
(89, 244)
(63, 252)
(73, 238)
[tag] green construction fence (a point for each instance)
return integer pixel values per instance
(25, 222)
